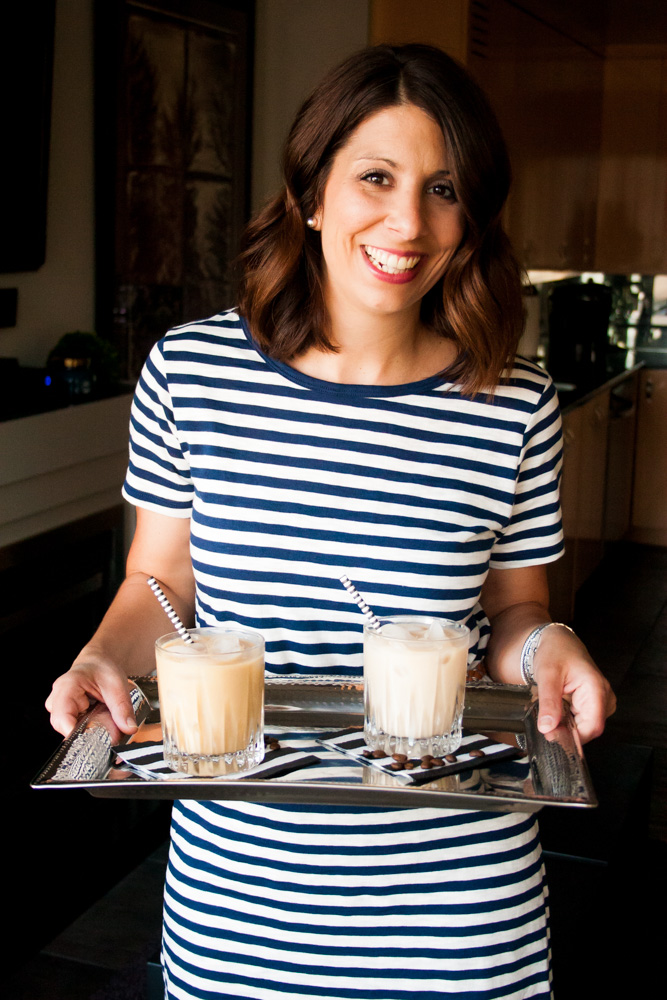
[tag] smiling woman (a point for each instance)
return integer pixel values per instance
(389, 223)
(403, 147)
(389, 217)
(335, 423)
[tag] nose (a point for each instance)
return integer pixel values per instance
(406, 214)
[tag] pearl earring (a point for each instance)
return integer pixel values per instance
(311, 222)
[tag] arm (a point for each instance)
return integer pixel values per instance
(516, 601)
(123, 644)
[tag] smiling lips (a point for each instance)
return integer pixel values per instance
(391, 266)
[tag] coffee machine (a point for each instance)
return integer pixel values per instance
(578, 324)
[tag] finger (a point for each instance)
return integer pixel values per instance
(65, 710)
(64, 720)
(115, 695)
(591, 724)
(59, 697)
(591, 706)
(610, 707)
(550, 710)
(63, 723)
(589, 729)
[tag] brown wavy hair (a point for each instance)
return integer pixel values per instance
(477, 303)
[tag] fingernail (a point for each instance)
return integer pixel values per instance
(131, 721)
(545, 723)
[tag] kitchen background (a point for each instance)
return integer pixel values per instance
(156, 129)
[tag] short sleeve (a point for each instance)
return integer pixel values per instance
(158, 476)
(534, 533)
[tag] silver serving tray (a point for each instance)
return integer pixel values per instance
(552, 771)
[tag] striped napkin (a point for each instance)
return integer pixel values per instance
(145, 757)
(352, 743)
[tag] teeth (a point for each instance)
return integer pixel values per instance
(390, 262)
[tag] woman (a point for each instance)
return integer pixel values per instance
(359, 413)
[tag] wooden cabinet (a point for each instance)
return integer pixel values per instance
(591, 487)
(632, 196)
(433, 22)
(620, 458)
(583, 494)
(597, 480)
(561, 573)
(649, 500)
(547, 92)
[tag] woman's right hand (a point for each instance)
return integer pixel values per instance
(127, 634)
(90, 679)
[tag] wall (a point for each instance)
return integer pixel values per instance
(59, 297)
(295, 44)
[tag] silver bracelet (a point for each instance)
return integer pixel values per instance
(530, 648)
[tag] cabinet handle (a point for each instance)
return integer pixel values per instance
(648, 388)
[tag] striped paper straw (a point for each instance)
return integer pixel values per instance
(372, 619)
(171, 614)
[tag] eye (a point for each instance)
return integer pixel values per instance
(377, 177)
(443, 189)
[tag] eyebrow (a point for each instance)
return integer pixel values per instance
(376, 156)
(392, 163)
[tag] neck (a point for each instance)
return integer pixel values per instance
(387, 351)
(375, 351)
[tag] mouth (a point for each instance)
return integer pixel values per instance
(392, 263)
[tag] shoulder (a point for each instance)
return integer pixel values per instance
(527, 387)
(202, 347)
(527, 376)
(523, 404)
(200, 336)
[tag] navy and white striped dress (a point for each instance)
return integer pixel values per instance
(414, 490)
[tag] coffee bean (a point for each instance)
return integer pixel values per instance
(367, 754)
(400, 757)
(427, 762)
(451, 758)
(438, 762)
(477, 753)
(409, 764)
(378, 753)
(397, 766)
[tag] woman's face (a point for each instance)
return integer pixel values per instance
(389, 217)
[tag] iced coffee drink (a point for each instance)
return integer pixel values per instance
(414, 685)
(211, 696)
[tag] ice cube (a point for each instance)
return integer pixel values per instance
(392, 630)
(225, 643)
(436, 631)
(184, 648)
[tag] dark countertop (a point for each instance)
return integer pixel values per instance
(652, 357)
(27, 394)
(571, 396)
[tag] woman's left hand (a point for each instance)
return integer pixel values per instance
(563, 669)
(516, 602)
